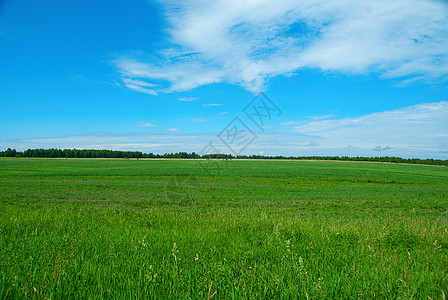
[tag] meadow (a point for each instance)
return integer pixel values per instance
(246, 229)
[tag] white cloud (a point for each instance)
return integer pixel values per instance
(173, 129)
(187, 99)
(144, 124)
(211, 104)
(247, 42)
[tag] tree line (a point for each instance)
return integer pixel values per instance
(92, 153)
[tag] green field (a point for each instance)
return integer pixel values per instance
(166, 229)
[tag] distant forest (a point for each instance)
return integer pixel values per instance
(90, 153)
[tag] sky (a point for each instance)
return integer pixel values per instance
(312, 77)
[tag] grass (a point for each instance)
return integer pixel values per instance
(166, 229)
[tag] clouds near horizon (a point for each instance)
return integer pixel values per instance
(415, 131)
(421, 128)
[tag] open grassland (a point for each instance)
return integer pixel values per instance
(167, 229)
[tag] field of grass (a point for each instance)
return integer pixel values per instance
(167, 229)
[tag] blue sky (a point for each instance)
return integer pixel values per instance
(350, 78)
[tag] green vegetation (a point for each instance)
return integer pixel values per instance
(167, 229)
(92, 153)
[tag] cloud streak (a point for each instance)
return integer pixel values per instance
(187, 99)
(248, 42)
(146, 124)
(139, 86)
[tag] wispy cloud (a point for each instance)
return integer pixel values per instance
(198, 120)
(417, 129)
(139, 86)
(211, 104)
(410, 81)
(145, 124)
(315, 118)
(248, 42)
(173, 129)
(187, 99)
